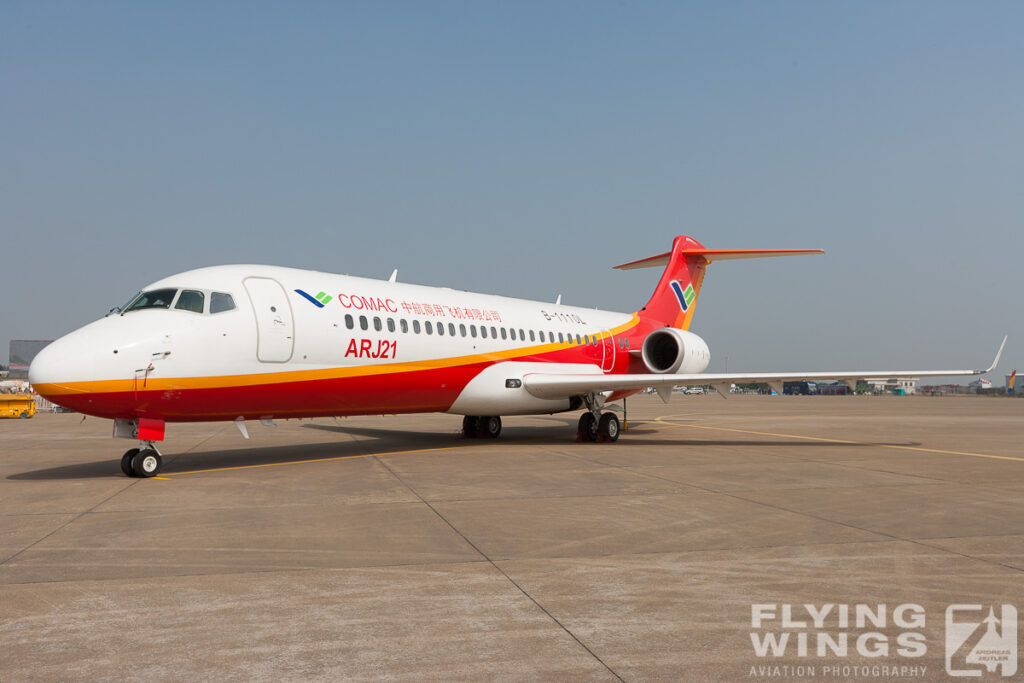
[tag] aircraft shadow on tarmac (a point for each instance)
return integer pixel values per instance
(394, 442)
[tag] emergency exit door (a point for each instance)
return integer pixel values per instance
(275, 327)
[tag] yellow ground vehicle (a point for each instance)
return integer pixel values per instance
(17, 405)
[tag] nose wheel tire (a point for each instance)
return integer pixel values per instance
(126, 462)
(469, 427)
(147, 463)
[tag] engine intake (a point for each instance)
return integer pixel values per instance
(670, 350)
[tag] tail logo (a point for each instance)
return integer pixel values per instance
(685, 296)
(320, 300)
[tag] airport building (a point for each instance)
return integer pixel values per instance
(893, 385)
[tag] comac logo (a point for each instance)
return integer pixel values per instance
(320, 300)
(975, 641)
(685, 296)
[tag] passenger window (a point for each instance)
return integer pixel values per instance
(483, 332)
(429, 327)
(158, 298)
(504, 333)
(376, 324)
(462, 330)
(472, 331)
(220, 302)
(440, 329)
(416, 326)
(190, 300)
(391, 324)
(578, 340)
(451, 329)
(405, 325)
(620, 342)
(522, 334)
(363, 323)
(627, 343)
(560, 338)
(349, 322)
(494, 333)
(532, 338)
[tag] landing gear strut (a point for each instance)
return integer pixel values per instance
(487, 427)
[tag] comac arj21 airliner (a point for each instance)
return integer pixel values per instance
(250, 342)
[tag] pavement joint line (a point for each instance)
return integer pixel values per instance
(882, 534)
(500, 570)
(892, 537)
(71, 521)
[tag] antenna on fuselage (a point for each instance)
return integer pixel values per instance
(394, 275)
(558, 300)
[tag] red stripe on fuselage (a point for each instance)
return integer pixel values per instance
(414, 391)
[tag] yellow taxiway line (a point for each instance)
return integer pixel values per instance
(855, 443)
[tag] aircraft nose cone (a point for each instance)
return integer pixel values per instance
(47, 369)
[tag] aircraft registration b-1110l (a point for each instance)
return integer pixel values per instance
(248, 342)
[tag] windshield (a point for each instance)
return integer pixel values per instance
(157, 298)
(118, 309)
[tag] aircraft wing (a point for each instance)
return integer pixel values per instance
(551, 385)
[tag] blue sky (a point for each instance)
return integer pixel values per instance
(524, 149)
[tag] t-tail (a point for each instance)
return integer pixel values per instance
(675, 298)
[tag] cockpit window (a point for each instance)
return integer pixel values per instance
(220, 302)
(190, 300)
(157, 298)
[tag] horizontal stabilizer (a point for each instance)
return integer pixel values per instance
(715, 255)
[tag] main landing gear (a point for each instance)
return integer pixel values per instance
(594, 428)
(487, 427)
(142, 462)
(595, 425)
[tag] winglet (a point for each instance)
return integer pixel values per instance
(999, 353)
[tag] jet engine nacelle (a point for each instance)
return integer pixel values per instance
(670, 350)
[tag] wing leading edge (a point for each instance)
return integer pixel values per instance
(545, 385)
